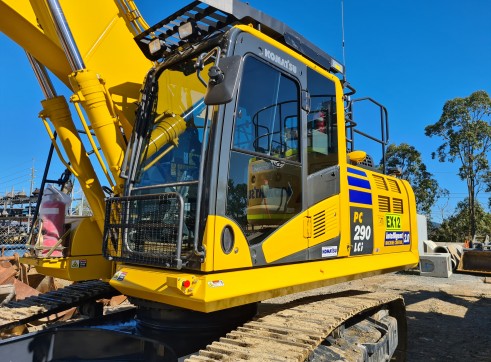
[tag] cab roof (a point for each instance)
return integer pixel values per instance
(208, 17)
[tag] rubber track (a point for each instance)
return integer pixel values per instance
(32, 308)
(291, 334)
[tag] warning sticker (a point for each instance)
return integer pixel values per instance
(78, 263)
(119, 276)
(216, 283)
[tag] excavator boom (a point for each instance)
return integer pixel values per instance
(98, 60)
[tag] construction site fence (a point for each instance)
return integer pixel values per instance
(14, 235)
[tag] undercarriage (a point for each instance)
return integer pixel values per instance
(348, 326)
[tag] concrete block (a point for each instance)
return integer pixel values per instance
(435, 265)
(429, 247)
(422, 233)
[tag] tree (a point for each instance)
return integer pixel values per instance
(408, 160)
(456, 228)
(466, 133)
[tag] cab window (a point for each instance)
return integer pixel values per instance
(322, 140)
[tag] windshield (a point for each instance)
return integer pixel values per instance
(171, 151)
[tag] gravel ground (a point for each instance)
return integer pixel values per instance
(449, 319)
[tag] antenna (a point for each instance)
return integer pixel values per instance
(342, 32)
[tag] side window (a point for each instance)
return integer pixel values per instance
(264, 185)
(322, 140)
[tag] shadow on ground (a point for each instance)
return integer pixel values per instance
(435, 334)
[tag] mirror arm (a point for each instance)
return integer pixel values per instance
(200, 62)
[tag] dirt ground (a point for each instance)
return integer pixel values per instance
(449, 319)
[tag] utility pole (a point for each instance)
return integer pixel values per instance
(29, 215)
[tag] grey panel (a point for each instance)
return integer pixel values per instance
(319, 251)
(257, 255)
(322, 185)
(258, 258)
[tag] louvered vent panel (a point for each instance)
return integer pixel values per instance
(332, 221)
(380, 182)
(397, 206)
(394, 186)
(319, 224)
(383, 203)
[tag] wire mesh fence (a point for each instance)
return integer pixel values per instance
(14, 234)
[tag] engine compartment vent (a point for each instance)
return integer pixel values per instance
(394, 186)
(380, 182)
(319, 224)
(384, 203)
(398, 206)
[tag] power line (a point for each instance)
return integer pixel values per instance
(16, 167)
(17, 172)
(26, 177)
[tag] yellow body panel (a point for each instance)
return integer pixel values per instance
(331, 208)
(240, 256)
(211, 292)
(85, 239)
(18, 21)
(72, 268)
(286, 240)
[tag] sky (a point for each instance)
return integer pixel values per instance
(411, 56)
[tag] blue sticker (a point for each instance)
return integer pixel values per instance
(357, 172)
(358, 182)
(396, 238)
(360, 197)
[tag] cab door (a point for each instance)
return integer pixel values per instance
(265, 173)
(322, 166)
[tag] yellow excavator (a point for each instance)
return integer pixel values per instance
(228, 141)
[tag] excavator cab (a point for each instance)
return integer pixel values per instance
(242, 164)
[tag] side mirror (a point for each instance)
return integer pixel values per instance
(223, 81)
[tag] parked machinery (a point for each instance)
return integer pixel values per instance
(241, 181)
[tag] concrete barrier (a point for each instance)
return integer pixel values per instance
(435, 265)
